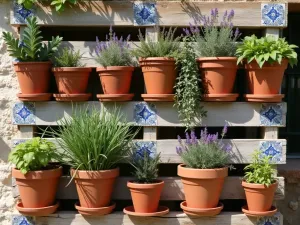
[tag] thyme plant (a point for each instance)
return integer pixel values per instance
(68, 58)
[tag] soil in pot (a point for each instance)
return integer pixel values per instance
(202, 187)
(145, 197)
(37, 188)
(95, 188)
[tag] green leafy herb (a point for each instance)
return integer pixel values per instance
(266, 50)
(68, 58)
(58, 4)
(32, 155)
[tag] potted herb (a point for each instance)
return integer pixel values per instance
(215, 45)
(115, 57)
(157, 61)
(146, 188)
(36, 178)
(265, 60)
(71, 76)
(260, 185)
(92, 144)
(204, 169)
(32, 61)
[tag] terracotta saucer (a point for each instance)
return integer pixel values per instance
(259, 214)
(45, 211)
(220, 97)
(158, 97)
(162, 210)
(263, 98)
(201, 212)
(34, 97)
(114, 97)
(95, 211)
(71, 97)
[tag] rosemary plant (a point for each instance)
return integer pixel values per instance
(68, 58)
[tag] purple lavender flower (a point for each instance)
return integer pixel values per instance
(236, 33)
(230, 15)
(179, 139)
(224, 131)
(188, 140)
(179, 150)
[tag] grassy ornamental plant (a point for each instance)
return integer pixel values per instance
(266, 50)
(68, 58)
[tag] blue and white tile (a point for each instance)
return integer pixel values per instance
(273, 14)
(146, 146)
(21, 13)
(17, 141)
(22, 220)
(273, 149)
(145, 13)
(24, 113)
(271, 115)
(273, 220)
(145, 114)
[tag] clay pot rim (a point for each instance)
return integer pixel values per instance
(169, 59)
(71, 69)
(39, 174)
(131, 184)
(258, 186)
(222, 58)
(209, 173)
(97, 174)
(114, 68)
(32, 63)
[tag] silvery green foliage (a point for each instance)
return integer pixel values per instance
(68, 58)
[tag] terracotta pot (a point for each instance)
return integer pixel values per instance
(33, 77)
(266, 80)
(37, 188)
(115, 79)
(71, 80)
(259, 197)
(159, 74)
(145, 197)
(202, 187)
(95, 188)
(218, 74)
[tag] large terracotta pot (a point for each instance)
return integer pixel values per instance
(33, 77)
(71, 80)
(115, 79)
(95, 188)
(218, 75)
(37, 188)
(159, 74)
(202, 187)
(259, 197)
(145, 197)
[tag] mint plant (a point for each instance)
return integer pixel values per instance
(31, 47)
(68, 58)
(260, 171)
(266, 50)
(32, 155)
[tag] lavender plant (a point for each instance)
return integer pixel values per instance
(215, 39)
(115, 51)
(208, 152)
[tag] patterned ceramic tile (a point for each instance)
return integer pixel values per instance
(21, 13)
(148, 146)
(17, 141)
(22, 220)
(144, 13)
(271, 115)
(274, 220)
(273, 14)
(272, 148)
(145, 114)
(24, 113)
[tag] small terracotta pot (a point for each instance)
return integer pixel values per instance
(95, 188)
(33, 77)
(145, 197)
(266, 80)
(115, 79)
(37, 188)
(259, 197)
(71, 80)
(202, 187)
(159, 74)
(218, 74)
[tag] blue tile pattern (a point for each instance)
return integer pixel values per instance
(17, 141)
(273, 149)
(273, 14)
(271, 115)
(145, 114)
(148, 146)
(24, 113)
(273, 220)
(21, 13)
(22, 220)
(144, 13)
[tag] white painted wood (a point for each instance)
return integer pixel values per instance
(150, 133)
(269, 132)
(152, 34)
(26, 131)
(275, 32)
(242, 149)
(173, 218)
